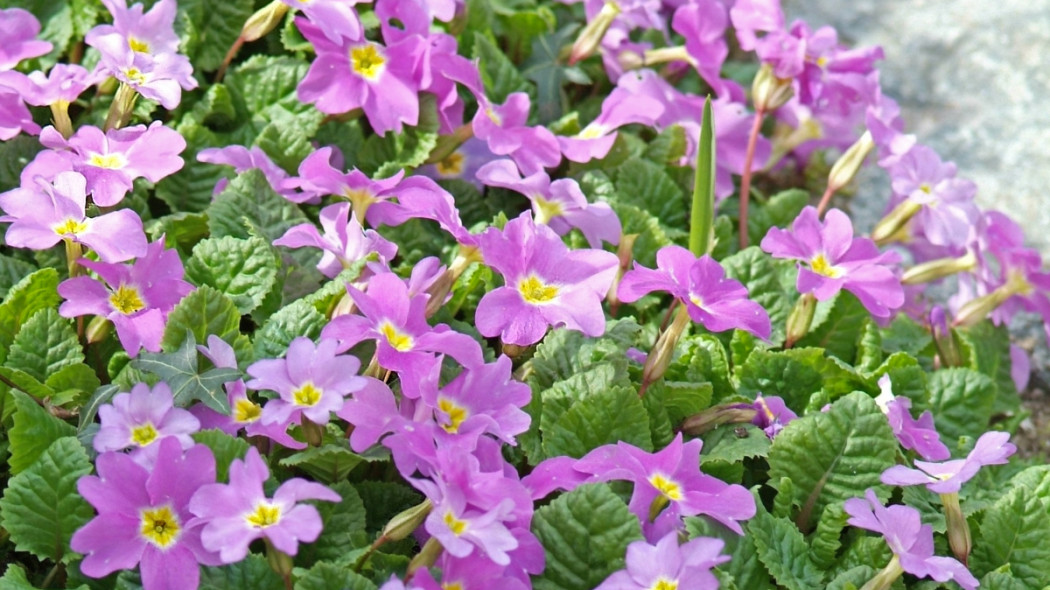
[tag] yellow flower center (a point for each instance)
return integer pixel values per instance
(454, 524)
(399, 340)
(452, 165)
(126, 300)
(667, 487)
(451, 586)
(822, 61)
(246, 410)
(456, 414)
(534, 291)
(307, 395)
(696, 300)
(495, 118)
(367, 61)
(664, 584)
(821, 266)
(138, 45)
(160, 526)
(547, 209)
(135, 76)
(70, 227)
(108, 161)
(591, 131)
(144, 434)
(265, 515)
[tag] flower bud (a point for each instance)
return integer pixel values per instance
(938, 269)
(264, 20)
(944, 339)
(666, 54)
(800, 319)
(849, 163)
(663, 351)
(890, 226)
(98, 329)
(768, 93)
(591, 35)
(406, 522)
(958, 528)
(738, 413)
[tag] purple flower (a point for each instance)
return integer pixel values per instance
(836, 260)
(626, 104)
(546, 284)
(151, 32)
(909, 539)
(505, 131)
(63, 83)
(18, 29)
(917, 435)
(145, 416)
(143, 517)
(14, 115)
(343, 242)
(135, 298)
(238, 513)
(336, 19)
(354, 74)
(318, 177)
(948, 477)
(463, 163)
(669, 565)
(243, 159)
(771, 414)
(945, 204)
(111, 161)
(560, 204)
(703, 25)
(312, 381)
(716, 302)
(44, 215)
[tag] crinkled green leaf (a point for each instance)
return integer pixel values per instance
(252, 573)
(764, 278)
(243, 270)
(225, 448)
(11, 271)
(385, 499)
(88, 411)
(660, 427)
(344, 527)
(14, 578)
(584, 534)
(519, 29)
(31, 294)
(203, 312)
(836, 325)
(648, 186)
(783, 550)
(904, 335)
(325, 576)
(45, 344)
(825, 541)
(72, 384)
(734, 442)
(987, 349)
(669, 146)
(329, 463)
(262, 81)
(498, 73)
(249, 201)
(208, 29)
(33, 432)
(779, 211)
(1014, 531)
(744, 567)
(287, 136)
(853, 578)
(795, 375)
(869, 347)
(961, 401)
(601, 417)
(831, 456)
(865, 550)
(906, 377)
(41, 507)
(179, 370)
(1002, 579)
(190, 189)
(297, 319)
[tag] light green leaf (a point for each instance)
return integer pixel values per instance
(734, 442)
(72, 384)
(249, 201)
(961, 401)
(744, 567)
(297, 319)
(31, 294)
(287, 137)
(498, 73)
(179, 370)
(603, 416)
(836, 325)
(869, 347)
(779, 211)
(14, 578)
(190, 189)
(41, 507)
(1014, 531)
(324, 576)
(252, 573)
(783, 550)
(825, 541)
(344, 527)
(263, 81)
(208, 29)
(1002, 579)
(225, 448)
(33, 432)
(584, 534)
(831, 455)
(329, 463)
(203, 312)
(648, 186)
(12, 270)
(769, 283)
(243, 270)
(794, 375)
(987, 349)
(46, 343)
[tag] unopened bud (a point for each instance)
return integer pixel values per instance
(938, 269)
(944, 339)
(264, 20)
(891, 225)
(663, 351)
(978, 308)
(958, 529)
(738, 413)
(406, 522)
(426, 557)
(801, 318)
(768, 93)
(849, 163)
(666, 54)
(591, 35)
(60, 117)
(630, 60)
(98, 329)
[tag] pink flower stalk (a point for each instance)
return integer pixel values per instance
(624, 106)
(18, 29)
(992, 448)
(141, 418)
(111, 161)
(545, 284)
(505, 131)
(335, 19)
(144, 519)
(47, 213)
(235, 514)
(836, 260)
(559, 204)
(343, 243)
(669, 565)
(136, 298)
(396, 320)
(312, 381)
(254, 158)
(916, 435)
(712, 300)
(910, 541)
(354, 74)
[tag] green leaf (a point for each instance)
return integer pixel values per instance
(906, 377)
(344, 527)
(770, 283)
(225, 448)
(779, 211)
(1002, 579)
(734, 442)
(14, 578)
(825, 541)
(11, 271)
(904, 335)
(648, 186)
(243, 270)
(869, 348)
(1014, 531)
(385, 499)
(297, 319)
(329, 463)
(287, 137)
(744, 566)
(31, 294)
(599, 417)
(263, 81)
(702, 213)
(208, 29)
(794, 375)
(498, 73)
(190, 189)
(783, 550)
(324, 576)
(179, 370)
(15, 153)
(249, 201)
(584, 534)
(961, 401)
(46, 343)
(987, 349)
(203, 312)
(544, 67)
(831, 455)
(41, 507)
(33, 432)
(252, 573)
(837, 327)
(72, 384)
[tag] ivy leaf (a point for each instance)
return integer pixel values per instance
(544, 68)
(831, 455)
(179, 370)
(46, 343)
(500, 76)
(252, 573)
(783, 550)
(243, 270)
(961, 401)
(1014, 531)
(33, 293)
(200, 314)
(41, 507)
(33, 432)
(584, 534)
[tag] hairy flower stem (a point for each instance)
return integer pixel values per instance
(120, 109)
(801, 318)
(426, 557)
(958, 529)
(885, 578)
(745, 177)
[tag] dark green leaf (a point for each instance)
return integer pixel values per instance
(33, 432)
(1014, 531)
(961, 401)
(46, 343)
(243, 270)
(31, 294)
(225, 448)
(179, 370)
(200, 314)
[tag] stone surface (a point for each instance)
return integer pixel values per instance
(973, 83)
